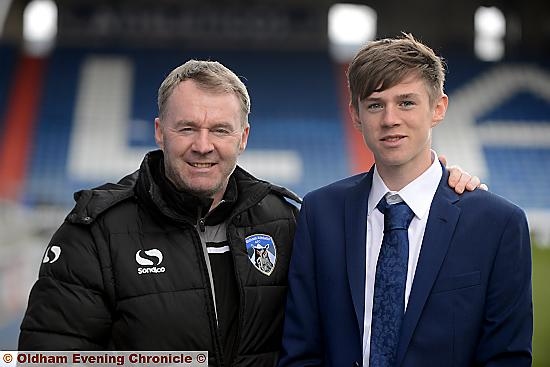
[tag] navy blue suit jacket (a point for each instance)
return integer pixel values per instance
(470, 303)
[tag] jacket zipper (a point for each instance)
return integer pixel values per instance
(202, 229)
(201, 224)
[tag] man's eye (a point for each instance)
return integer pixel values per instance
(220, 131)
(186, 130)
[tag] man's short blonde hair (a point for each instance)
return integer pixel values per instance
(209, 75)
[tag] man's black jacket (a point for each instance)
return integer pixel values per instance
(127, 272)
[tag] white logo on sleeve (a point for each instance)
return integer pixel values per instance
(52, 254)
(150, 262)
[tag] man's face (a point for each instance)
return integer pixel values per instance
(396, 125)
(201, 136)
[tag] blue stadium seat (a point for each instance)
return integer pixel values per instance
(520, 175)
(522, 106)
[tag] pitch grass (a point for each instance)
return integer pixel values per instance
(541, 304)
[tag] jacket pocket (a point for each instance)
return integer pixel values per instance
(457, 282)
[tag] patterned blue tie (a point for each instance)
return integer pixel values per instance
(389, 284)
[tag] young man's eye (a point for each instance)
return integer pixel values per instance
(408, 103)
(374, 106)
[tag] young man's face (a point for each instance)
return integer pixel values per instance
(201, 135)
(396, 125)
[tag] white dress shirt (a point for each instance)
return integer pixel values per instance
(418, 195)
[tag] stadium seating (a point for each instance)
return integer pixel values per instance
(95, 120)
(294, 109)
(498, 126)
(295, 113)
(521, 175)
(47, 181)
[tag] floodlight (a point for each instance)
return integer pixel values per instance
(39, 26)
(490, 29)
(490, 22)
(349, 27)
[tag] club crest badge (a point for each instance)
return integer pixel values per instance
(262, 252)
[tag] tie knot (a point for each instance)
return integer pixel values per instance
(396, 216)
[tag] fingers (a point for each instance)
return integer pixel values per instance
(458, 179)
(473, 183)
(443, 160)
(461, 180)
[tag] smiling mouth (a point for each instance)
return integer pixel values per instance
(392, 138)
(202, 165)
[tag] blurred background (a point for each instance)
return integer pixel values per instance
(78, 84)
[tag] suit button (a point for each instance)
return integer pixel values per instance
(356, 364)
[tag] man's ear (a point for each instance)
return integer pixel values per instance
(354, 117)
(244, 139)
(159, 137)
(440, 109)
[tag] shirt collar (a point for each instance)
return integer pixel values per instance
(418, 194)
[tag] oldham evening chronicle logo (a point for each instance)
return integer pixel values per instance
(262, 252)
(103, 358)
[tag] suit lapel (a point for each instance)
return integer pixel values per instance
(437, 236)
(355, 228)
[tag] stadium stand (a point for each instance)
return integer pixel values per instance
(47, 182)
(492, 117)
(97, 106)
(98, 111)
(97, 102)
(520, 174)
(306, 131)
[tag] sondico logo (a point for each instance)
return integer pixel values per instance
(152, 266)
(52, 254)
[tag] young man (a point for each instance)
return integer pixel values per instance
(438, 279)
(189, 253)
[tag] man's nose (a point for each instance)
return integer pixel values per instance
(202, 142)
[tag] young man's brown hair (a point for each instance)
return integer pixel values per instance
(382, 64)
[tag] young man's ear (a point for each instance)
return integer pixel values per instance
(354, 117)
(440, 109)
